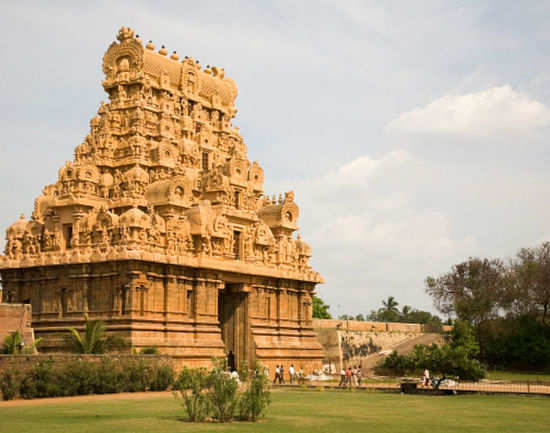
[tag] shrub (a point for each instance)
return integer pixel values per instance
(163, 377)
(256, 397)
(138, 375)
(9, 384)
(191, 384)
(110, 377)
(80, 377)
(448, 360)
(223, 392)
(42, 380)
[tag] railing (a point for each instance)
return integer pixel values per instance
(516, 387)
(497, 387)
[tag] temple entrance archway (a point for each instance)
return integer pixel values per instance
(234, 322)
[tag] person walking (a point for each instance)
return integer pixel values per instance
(348, 377)
(358, 375)
(342, 377)
(354, 375)
(291, 373)
(277, 375)
(282, 374)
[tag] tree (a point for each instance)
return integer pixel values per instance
(94, 339)
(320, 309)
(473, 291)
(406, 310)
(390, 305)
(529, 282)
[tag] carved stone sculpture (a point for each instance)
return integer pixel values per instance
(159, 225)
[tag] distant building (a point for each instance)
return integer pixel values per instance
(159, 226)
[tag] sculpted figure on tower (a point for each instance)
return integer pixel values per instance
(159, 212)
(162, 166)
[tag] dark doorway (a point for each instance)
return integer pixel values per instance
(233, 317)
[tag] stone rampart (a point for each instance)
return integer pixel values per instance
(349, 342)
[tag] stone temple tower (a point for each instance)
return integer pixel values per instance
(159, 226)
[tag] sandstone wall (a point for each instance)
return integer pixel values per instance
(16, 317)
(347, 342)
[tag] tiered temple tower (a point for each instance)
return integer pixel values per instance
(159, 226)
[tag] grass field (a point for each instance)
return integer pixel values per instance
(294, 411)
(520, 376)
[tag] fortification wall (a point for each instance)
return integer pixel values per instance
(16, 317)
(348, 342)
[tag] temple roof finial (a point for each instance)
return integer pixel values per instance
(125, 33)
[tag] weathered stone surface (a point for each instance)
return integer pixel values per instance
(16, 317)
(160, 227)
(349, 342)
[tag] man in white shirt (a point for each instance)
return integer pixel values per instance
(277, 375)
(291, 372)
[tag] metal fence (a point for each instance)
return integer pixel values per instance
(516, 387)
(510, 387)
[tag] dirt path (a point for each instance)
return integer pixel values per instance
(85, 398)
(475, 387)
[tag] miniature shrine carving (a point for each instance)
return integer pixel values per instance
(160, 225)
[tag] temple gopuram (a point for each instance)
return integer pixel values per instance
(159, 226)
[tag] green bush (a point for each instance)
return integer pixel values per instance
(42, 380)
(79, 377)
(9, 384)
(110, 377)
(138, 374)
(163, 377)
(256, 397)
(447, 360)
(223, 392)
(192, 384)
(217, 393)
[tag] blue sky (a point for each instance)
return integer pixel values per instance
(414, 134)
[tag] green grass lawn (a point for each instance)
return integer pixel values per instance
(521, 376)
(297, 412)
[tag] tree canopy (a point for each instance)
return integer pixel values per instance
(507, 302)
(320, 309)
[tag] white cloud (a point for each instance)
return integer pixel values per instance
(497, 111)
(368, 234)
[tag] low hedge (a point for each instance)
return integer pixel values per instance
(82, 377)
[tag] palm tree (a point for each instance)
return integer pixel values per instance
(94, 339)
(406, 310)
(14, 344)
(390, 305)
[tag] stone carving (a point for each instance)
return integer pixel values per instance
(162, 177)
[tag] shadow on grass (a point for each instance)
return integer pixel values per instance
(209, 420)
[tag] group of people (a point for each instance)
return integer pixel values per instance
(351, 376)
(293, 375)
